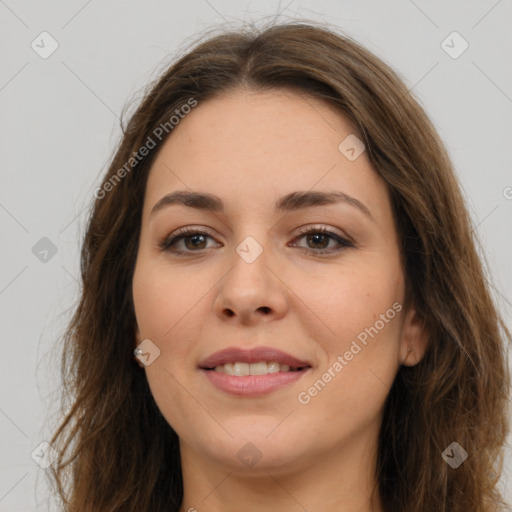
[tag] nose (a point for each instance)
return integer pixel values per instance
(252, 291)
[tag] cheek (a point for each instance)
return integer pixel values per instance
(165, 301)
(162, 298)
(345, 304)
(349, 390)
(358, 326)
(363, 313)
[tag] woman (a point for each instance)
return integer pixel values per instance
(282, 305)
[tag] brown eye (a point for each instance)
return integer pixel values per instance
(192, 241)
(318, 240)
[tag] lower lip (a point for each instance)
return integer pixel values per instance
(252, 385)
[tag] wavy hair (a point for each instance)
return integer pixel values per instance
(116, 451)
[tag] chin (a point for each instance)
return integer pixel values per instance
(253, 448)
(256, 456)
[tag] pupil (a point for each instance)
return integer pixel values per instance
(195, 237)
(316, 236)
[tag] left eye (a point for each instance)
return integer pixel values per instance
(321, 235)
(195, 241)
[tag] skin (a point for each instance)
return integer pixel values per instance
(250, 149)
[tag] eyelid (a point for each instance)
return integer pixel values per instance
(344, 241)
(322, 228)
(181, 233)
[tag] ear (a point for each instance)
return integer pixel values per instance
(414, 338)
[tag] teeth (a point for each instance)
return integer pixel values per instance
(241, 369)
(273, 367)
(244, 369)
(258, 369)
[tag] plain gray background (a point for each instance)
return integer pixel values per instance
(60, 125)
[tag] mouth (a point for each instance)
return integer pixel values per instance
(252, 372)
(254, 361)
(241, 369)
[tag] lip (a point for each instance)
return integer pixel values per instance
(253, 355)
(253, 385)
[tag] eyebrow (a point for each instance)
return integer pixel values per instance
(290, 202)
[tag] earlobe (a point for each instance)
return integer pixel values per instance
(137, 343)
(415, 338)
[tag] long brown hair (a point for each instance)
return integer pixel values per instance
(117, 452)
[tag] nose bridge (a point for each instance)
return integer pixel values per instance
(250, 263)
(251, 287)
(253, 237)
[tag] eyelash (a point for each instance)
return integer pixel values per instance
(168, 242)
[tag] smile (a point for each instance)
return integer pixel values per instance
(261, 368)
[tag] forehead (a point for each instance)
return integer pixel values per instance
(254, 147)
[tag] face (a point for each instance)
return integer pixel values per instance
(273, 265)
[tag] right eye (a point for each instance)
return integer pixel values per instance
(193, 239)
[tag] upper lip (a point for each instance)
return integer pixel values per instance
(253, 355)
